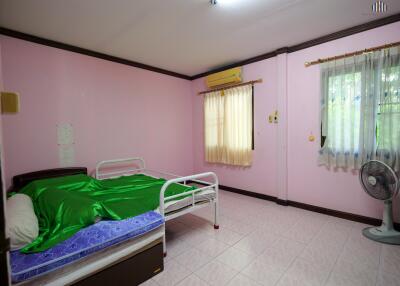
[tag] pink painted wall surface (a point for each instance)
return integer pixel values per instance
(1, 123)
(308, 182)
(1, 71)
(116, 111)
(261, 176)
(120, 111)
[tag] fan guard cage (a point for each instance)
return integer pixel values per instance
(379, 180)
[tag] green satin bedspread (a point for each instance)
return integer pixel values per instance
(67, 204)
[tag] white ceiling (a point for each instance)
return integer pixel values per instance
(185, 36)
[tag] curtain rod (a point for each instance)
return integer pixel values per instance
(231, 86)
(360, 52)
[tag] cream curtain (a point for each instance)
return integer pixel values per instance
(228, 124)
(360, 110)
(388, 110)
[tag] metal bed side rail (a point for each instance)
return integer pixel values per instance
(193, 206)
(190, 192)
(213, 184)
(137, 165)
(178, 176)
(142, 168)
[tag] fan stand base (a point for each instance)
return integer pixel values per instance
(376, 234)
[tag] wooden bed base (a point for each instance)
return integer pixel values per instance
(130, 272)
(20, 181)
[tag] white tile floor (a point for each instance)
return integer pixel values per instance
(262, 243)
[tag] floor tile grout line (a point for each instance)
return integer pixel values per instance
(280, 236)
(217, 262)
(380, 264)
(239, 271)
(294, 259)
(336, 260)
(250, 278)
(195, 274)
(236, 275)
(191, 272)
(215, 230)
(326, 222)
(348, 231)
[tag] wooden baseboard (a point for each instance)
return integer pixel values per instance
(282, 202)
(317, 209)
(248, 193)
(336, 213)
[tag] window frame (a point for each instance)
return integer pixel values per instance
(357, 69)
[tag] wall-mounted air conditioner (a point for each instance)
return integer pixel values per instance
(226, 77)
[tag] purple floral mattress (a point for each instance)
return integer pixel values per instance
(85, 242)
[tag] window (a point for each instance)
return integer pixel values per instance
(389, 110)
(360, 110)
(344, 110)
(228, 126)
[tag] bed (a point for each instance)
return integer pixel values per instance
(109, 250)
(170, 207)
(124, 252)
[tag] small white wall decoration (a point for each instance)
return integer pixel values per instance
(65, 140)
(65, 134)
(66, 155)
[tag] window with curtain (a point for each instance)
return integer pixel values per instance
(360, 110)
(228, 126)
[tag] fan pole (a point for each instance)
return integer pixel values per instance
(387, 220)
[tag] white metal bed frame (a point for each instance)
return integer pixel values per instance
(137, 165)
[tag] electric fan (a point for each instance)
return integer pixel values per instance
(381, 182)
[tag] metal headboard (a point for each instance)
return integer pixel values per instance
(134, 165)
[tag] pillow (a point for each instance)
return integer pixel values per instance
(21, 221)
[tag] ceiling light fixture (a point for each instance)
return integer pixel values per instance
(379, 7)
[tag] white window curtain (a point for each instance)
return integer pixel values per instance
(360, 110)
(228, 124)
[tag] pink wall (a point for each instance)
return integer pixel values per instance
(120, 111)
(261, 176)
(1, 123)
(116, 110)
(1, 71)
(307, 182)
